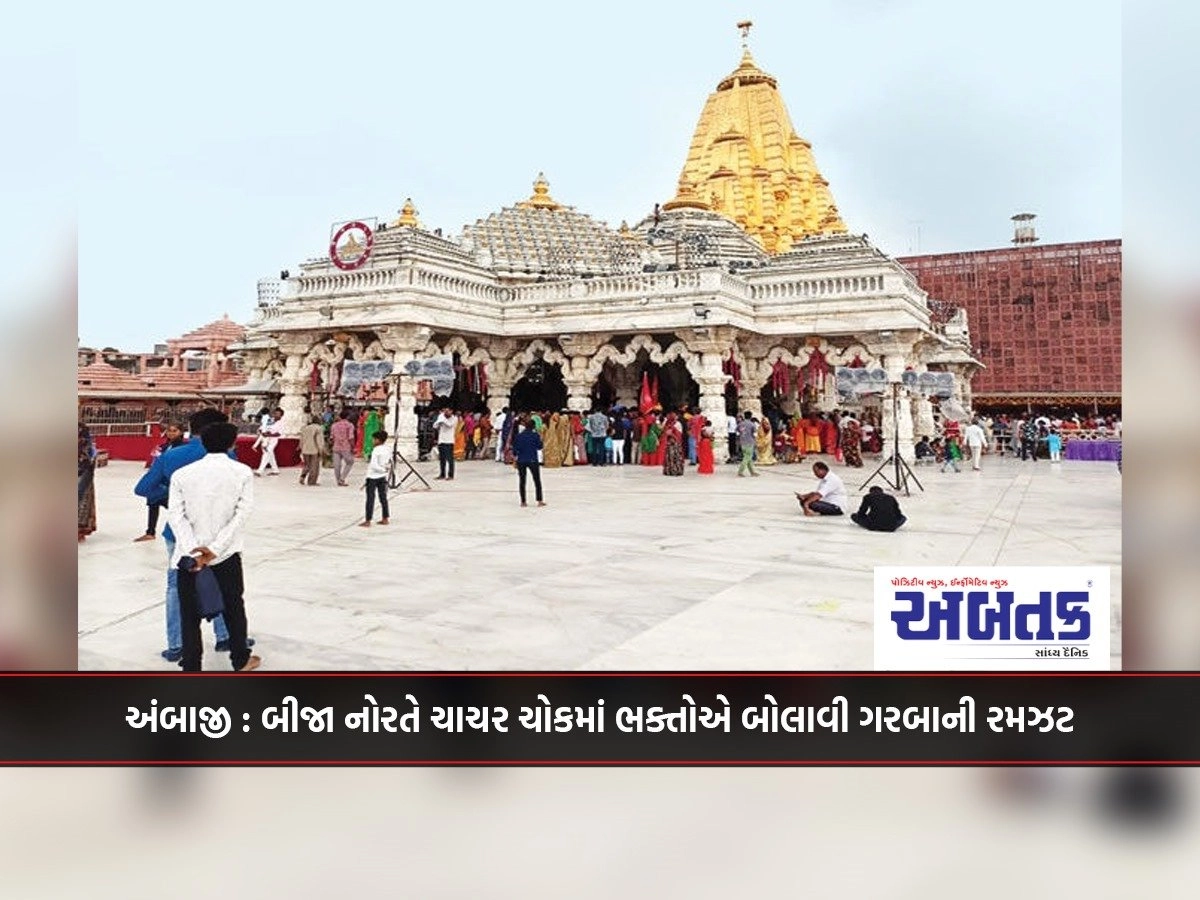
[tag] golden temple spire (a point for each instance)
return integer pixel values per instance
(747, 161)
(408, 216)
(540, 199)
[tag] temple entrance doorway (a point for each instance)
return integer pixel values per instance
(540, 389)
(674, 382)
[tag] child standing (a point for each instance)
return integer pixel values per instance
(377, 472)
(1054, 445)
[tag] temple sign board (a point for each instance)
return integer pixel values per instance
(360, 374)
(437, 369)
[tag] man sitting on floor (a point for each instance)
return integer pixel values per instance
(879, 512)
(924, 451)
(829, 499)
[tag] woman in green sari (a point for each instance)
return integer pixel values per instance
(371, 425)
(651, 446)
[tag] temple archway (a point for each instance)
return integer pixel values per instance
(676, 387)
(605, 390)
(541, 388)
(669, 373)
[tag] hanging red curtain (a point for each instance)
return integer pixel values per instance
(483, 379)
(816, 371)
(856, 363)
(779, 378)
(314, 379)
(733, 370)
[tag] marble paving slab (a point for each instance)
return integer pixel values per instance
(624, 569)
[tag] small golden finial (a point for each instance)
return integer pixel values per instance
(408, 216)
(541, 198)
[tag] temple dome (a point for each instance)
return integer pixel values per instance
(706, 237)
(542, 236)
(747, 162)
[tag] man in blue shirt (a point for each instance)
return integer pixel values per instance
(525, 446)
(154, 486)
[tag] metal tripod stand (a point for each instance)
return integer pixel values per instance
(901, 474)
(396, 481)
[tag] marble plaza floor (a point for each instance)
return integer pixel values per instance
(624, 569)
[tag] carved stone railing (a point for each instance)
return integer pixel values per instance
(818, 288)
(610, 288)
(367, 280)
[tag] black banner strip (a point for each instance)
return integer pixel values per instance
(600, 719)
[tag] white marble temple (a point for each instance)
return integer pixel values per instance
(624, 569)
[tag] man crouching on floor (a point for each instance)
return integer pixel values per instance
(829, 499)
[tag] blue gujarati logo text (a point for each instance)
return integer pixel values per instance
(985, 616)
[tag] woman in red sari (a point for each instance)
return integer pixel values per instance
(704, 451)
(578, 445)
(828, 434)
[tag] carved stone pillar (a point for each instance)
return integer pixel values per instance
(923, 417)
(404, 343)
(627, 387)
(896, 408)
(712, 402)
(962, 385)
(750, 390)
(901, 406)
(294, 387)
(579, 384)
(896, 353)
(254, 402)
(502, 374)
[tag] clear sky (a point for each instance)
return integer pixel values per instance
(219, 141)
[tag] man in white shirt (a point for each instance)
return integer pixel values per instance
(731, 429)
(378, 467)
(268, 438)
(974, 438)
(830, 497)
(210, 504)
(444, 426)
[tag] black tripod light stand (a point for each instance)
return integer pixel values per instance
(900, 474)
(398, 459)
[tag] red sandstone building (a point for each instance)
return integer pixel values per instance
(124, 397)
(1045, 321)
